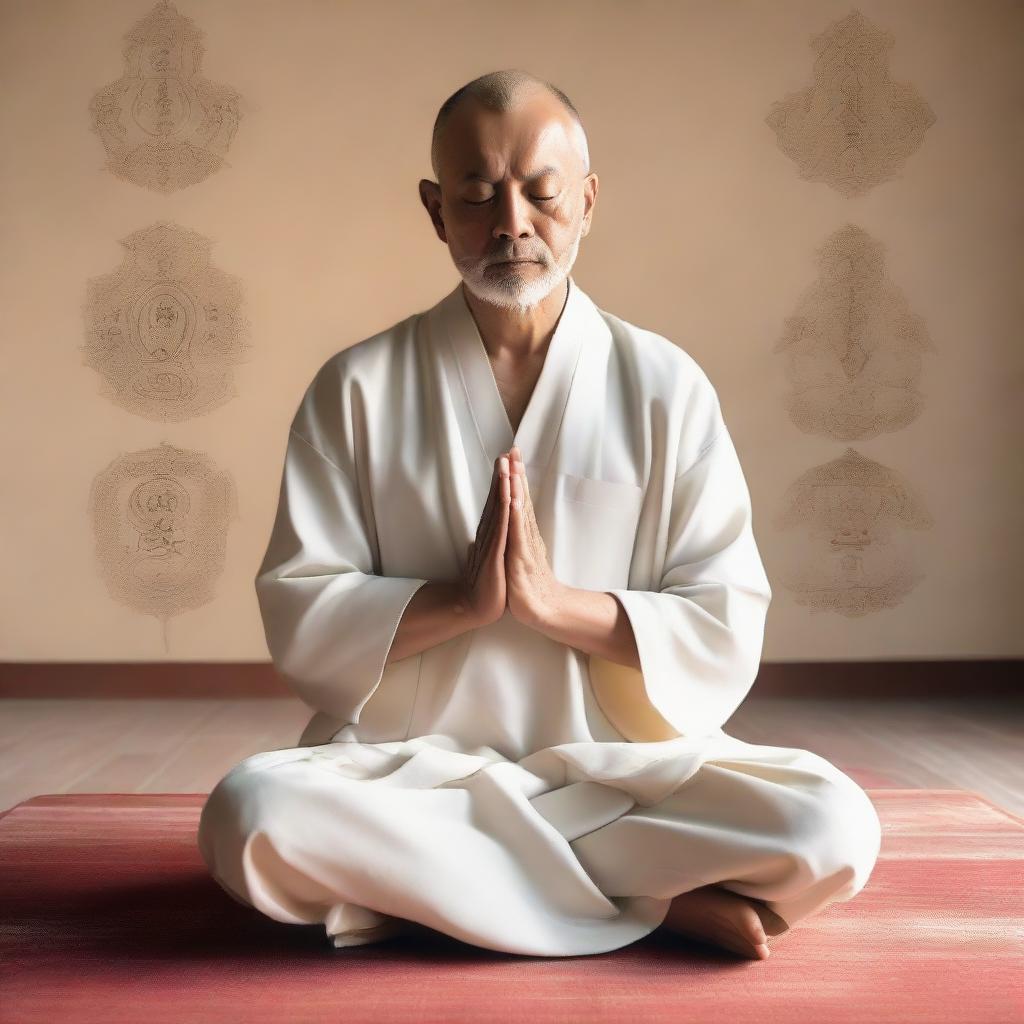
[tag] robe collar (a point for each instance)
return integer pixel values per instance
(540, 423)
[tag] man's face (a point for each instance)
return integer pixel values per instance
(512, 188)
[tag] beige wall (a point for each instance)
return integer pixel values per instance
(705, 230)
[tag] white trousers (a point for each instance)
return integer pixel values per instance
(522, 859)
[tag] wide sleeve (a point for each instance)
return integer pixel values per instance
(329, 618)
(700, 635)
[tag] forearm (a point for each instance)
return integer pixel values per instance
(592, 621)
(436, 613)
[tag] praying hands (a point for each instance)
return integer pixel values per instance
(531, 588)
(508, 568)
(508, 563)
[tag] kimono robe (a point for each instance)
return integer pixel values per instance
(501, 787)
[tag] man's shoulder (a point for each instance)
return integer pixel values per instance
(370, 352)
(672, 378)
(656, 357)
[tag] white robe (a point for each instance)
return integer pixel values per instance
(502, 787)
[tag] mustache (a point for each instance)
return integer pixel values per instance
(514, 258)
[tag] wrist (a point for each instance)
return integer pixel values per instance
(459, 602)
(543, 615)
(463, 609)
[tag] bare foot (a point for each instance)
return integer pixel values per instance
(724, 918)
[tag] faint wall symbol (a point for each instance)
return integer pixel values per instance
(853, 512)
(164, 125)
(160, 519)
(853, 349)
(165, 329)
(854, 127)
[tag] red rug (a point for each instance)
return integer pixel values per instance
(107, 915)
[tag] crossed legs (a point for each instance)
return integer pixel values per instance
(745, 848)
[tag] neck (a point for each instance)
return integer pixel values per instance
(518, 334)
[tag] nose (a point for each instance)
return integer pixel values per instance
(512, 215)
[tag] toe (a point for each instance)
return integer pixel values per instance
(747, 924)
(773, 924)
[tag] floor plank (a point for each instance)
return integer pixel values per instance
(185, 746)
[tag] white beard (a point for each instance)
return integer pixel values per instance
(517, 288)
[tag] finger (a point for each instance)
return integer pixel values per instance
(537, 535)
(493, 538)
(489, 503)
(516, 529)
(503, 517)
(486, 528)
(530, 529)
(531, 515)
(495, 525)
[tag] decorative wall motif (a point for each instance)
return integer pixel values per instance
(164, 330)
(853, 127)
(853, 349)
(160, 519)
(851, 556)
(164, 126)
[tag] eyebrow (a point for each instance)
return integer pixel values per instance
(548, 169)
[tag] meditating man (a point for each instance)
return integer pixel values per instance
(513, 572)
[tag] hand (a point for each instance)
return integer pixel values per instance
(532, 589)
(483, 584)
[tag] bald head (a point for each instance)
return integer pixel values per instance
(501, 91)
(514, 192)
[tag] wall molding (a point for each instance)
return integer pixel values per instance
(977, 677)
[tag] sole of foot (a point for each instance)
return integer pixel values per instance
(725, 919)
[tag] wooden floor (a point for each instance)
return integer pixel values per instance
(185, 746)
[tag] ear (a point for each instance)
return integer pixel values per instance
(430, 196)
(590, 187)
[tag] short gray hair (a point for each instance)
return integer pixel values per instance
(499, 91)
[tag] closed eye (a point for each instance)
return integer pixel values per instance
(536, 199)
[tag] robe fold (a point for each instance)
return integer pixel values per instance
(497, 785)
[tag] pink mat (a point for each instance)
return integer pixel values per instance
(107, 914)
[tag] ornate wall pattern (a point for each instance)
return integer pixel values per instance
(851, 557)
(160, 519)
(853, 127)
(852, 349)
(165, 329)
(163, 125)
